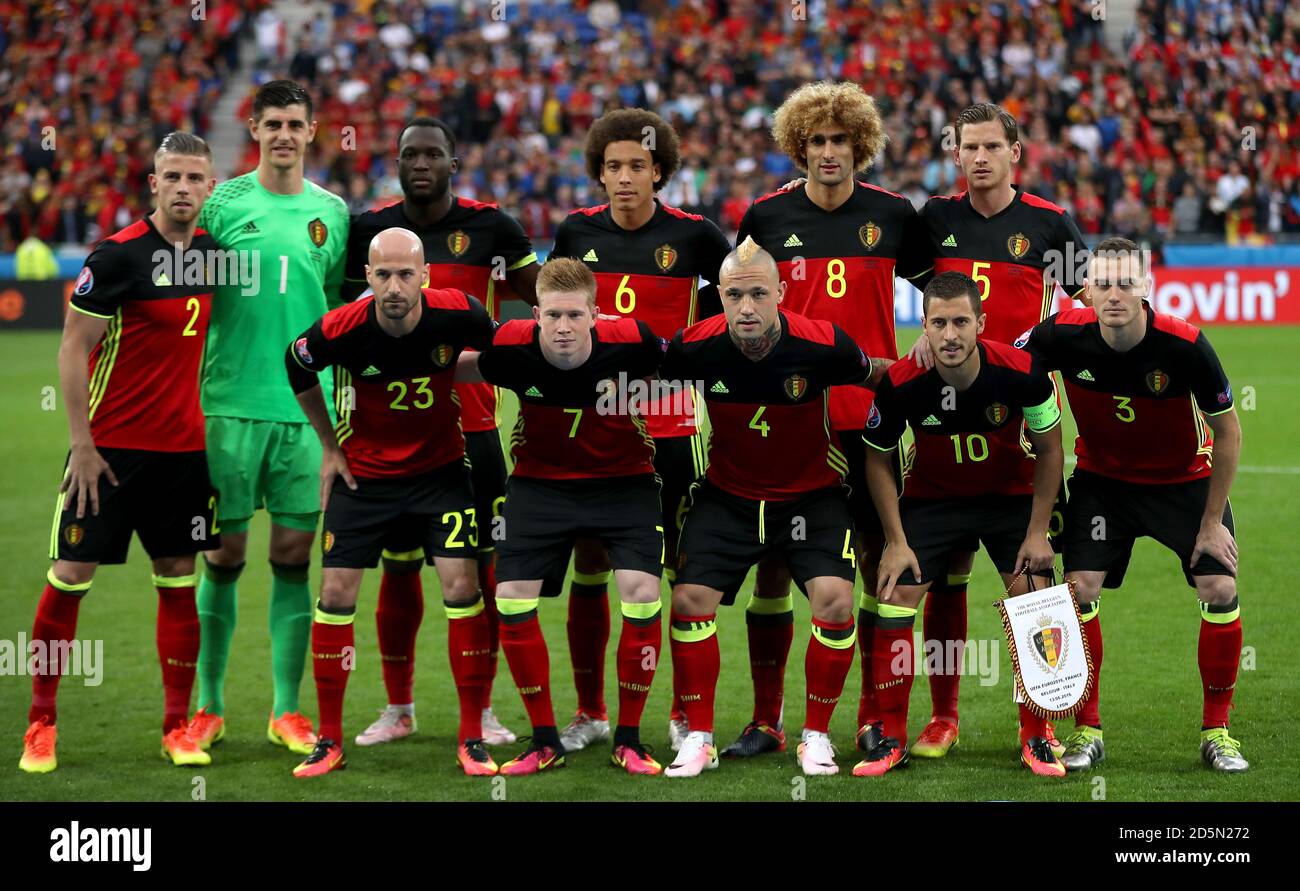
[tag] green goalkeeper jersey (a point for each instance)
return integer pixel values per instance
(290, 250)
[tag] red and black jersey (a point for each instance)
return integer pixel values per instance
(471, 248)
(398, 415)
(967, 442)
(771, 437)
(1139, 412)
(570, 425)
(839, 266)
(651, 274)
(1014, 256)
(144, 372)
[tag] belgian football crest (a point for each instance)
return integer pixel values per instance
(317, 231)
(327, 542)
(1018, 245)
(441, 355)
(1049, 643)
(457, 243)
(795, 386)
(997, 413)
(1157, 382)
(665, 257)
(869, 235)
(74, 534)
(1049, 652)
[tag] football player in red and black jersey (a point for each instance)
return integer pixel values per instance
(483, 251)
(1143, 388)
(1019, 249)
(398, 447)
(969, 479)
(648, 259)
(583, 467)
(838, 245)
(129, 372)
(774, 486)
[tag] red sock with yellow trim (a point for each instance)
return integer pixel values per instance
(868, 709)
(530, 665)
(945, 622)
(397, 620)
(769, 625)
(1090, 714)
(696, 661)
(487, 580)
(1219, 654)
(468, 652)
(893, 662)
(588, 628)
(177, 638)
(826, 665)
(56, 620)
(332, 658)
(639, 647)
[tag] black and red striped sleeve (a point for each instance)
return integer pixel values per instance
(104, 282)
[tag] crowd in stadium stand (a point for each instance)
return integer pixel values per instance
(1193, 128)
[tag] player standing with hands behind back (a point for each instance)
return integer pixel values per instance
(260, 447)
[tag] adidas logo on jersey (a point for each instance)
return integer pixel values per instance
(534, 392)
(931, 421)
(720, 387)
(1086, 375)
(250, 228)
(162, 281)
(369, 371)
(950, 241)
(793, 241)
(590, 256)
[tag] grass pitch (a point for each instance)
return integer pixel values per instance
(1151, 694)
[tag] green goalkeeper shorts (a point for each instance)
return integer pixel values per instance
(264, 464)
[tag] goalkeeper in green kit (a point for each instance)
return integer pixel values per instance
(291, 235)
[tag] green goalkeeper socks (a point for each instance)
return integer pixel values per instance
(217, 610)
(290, 633)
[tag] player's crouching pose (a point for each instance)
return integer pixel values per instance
(128, 366)
(580, 470)
(1142, 387)
(399, 449)
(773, 487)
(969, 479)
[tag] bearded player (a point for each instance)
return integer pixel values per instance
(128, 366)
(1019, 249)
(399, 450)
(261, 449)
(838, 245)
(648, 259)
(773, 487)
(483, 251)
(1143, 388)
(969, 478)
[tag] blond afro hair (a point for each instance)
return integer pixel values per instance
(819, 104)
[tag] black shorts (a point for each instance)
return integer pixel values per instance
(725, 534)
(543, 517)
(1105, 516)
(679, 462)
(431, 514)
(939, 527)
(863, 510)
(165, 497)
